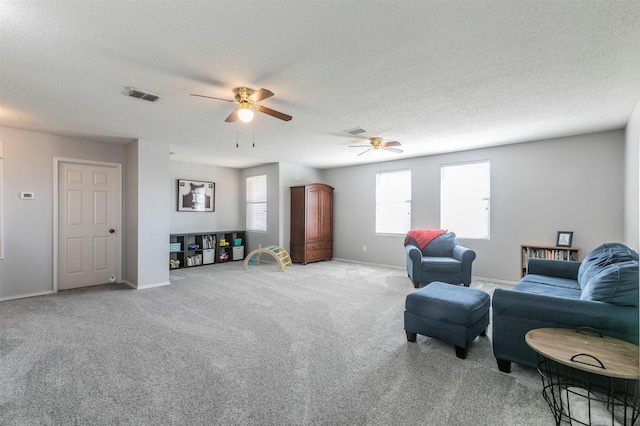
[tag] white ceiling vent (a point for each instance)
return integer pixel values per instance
(141, 95)
(356, 131)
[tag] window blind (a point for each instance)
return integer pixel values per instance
(393, 202)
(465, 199)
(256, 203)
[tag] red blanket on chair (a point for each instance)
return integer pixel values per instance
(422, 237)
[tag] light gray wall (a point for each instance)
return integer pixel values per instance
(575, 183)
(27, 267)
(538, 188)
(632, 181)
(280, 176)
(131, 215)
(272, 235)
(228, 214)
(293, 175)
(153, 215)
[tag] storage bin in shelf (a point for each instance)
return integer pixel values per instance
(238, 253)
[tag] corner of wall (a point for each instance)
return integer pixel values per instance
(632, 180)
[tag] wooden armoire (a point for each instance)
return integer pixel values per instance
(311, 223)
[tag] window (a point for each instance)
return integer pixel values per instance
(465, 199)
(393, 202)
(256, 191)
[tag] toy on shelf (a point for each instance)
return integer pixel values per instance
(174, 264)
(224, 256)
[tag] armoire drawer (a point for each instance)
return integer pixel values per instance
(319, 254)
(319, 246)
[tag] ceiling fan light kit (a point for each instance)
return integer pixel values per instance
(247, 100)
(244, 113)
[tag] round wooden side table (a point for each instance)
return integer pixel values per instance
(588, 378)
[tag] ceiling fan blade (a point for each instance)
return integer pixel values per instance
(211, 97)
(396, 150)
(233, 117)
(273, 113)
(366, 150)
(392, 143)
(358, 146)
(260, 95)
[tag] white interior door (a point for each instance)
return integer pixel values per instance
(89, 196)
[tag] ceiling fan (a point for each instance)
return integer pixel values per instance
(377, 144)
(247, 102)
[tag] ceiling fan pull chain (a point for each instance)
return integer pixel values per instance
(253, 129)
(237, 145)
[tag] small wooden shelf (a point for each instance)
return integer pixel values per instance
(528, 251)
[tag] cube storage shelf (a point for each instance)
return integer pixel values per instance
(205, 248)
(546, 252)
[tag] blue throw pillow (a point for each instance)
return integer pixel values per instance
(602, 256)
(592, 264)
(616, 283)
(441, 246)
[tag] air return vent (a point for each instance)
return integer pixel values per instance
(135, 93)
(356, 131)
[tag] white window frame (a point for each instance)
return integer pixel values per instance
(465, 199)
(393, 202)
(256, 203)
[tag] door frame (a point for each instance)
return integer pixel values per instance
(57, 163)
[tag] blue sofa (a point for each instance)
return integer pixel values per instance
(442, 259)
(600, 292)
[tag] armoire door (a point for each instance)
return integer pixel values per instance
(314, 211)
(325, 210)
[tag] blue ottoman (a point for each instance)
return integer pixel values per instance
(451, 313)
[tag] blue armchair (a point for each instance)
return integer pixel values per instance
(442, 259)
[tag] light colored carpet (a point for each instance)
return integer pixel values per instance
(321, 344)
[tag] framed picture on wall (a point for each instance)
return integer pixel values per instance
(196, 196)
(565, 238)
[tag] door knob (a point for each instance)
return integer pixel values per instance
(111, 231)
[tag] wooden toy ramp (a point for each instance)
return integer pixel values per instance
(278, 253)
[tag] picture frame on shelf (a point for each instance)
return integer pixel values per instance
(564, 239)
(196, 196)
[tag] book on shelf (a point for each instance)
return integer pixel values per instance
(208, 241)
(529, 252)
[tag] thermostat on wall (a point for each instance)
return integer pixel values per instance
(27, 195)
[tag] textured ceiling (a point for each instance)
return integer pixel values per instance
(436, 76)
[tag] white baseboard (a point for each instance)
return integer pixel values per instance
(130, 284)
(494, 280)
(146, 286)
(368, 263)
(491, 280)
(21, 296)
